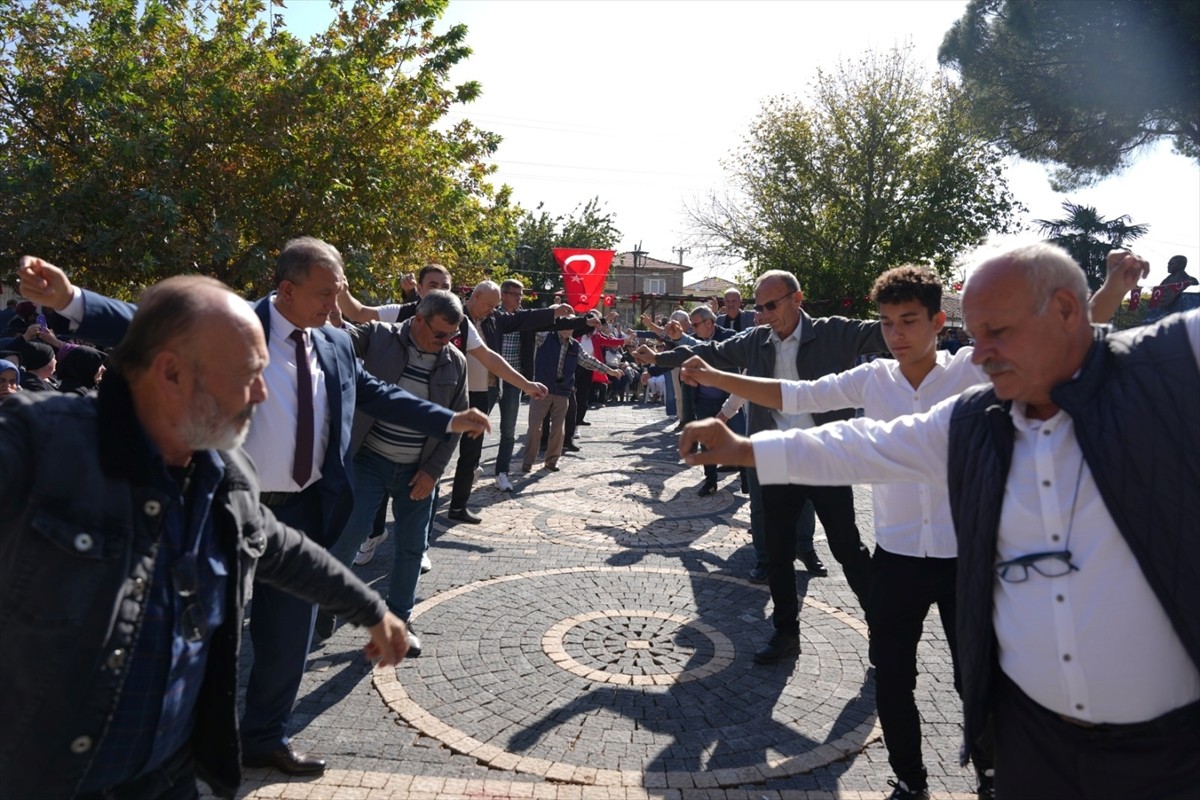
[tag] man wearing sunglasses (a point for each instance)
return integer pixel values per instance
(393, 460)
(1072, 483)
(790, 345)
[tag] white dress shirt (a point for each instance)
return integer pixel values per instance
(786, 351)
(1094, 644)
(271, 442)
(911, 519)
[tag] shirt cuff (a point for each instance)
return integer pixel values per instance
(74, 310)
(770, 457)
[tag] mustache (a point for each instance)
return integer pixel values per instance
(995, 366)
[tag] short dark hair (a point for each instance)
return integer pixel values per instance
(511, 285)
(902, 284)
(428, 268)
(300, 255)
(168, 311)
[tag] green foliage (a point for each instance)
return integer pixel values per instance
(1081, 84)
(538, 233)
(878, 167)
(144, 138)
(1088, 237)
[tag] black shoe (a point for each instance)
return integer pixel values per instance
(571, 447)
(585, 422)
(463, 515)
(414, 642)
(812, 563)
(727, 468)
(780, 646)
(708, 489)
(758, 574)
(287, 761)
(325, 626)
(901, 792)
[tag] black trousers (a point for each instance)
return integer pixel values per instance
(470, 450)
(902, 592)
(583, 393)
(1038, 754)
(834, 505)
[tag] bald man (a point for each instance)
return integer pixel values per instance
(123, 588)
(1072, 482)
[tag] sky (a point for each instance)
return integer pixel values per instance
(637, 102)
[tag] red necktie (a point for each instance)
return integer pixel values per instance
(302, 464)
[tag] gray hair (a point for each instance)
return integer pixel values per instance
(1046, 268)
(486, 286)
(789, 280)
(440, 304)
(510, 284)
(704, 312)
(679, 315)
(300, 255)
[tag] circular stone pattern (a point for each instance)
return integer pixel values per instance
(637, 647)
(632, 676)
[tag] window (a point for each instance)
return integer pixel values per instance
(654, 286)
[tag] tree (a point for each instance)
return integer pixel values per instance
(143, 138)
(1081, 84)
(538, 233)
(1088, 237)
(877, 168)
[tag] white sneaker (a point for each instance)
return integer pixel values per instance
(503, 483)
(366, 550)
(426, 564)
(478, 473)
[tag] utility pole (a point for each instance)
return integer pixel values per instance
(681, 251)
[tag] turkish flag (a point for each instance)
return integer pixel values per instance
(1135, 299)
(583, 274)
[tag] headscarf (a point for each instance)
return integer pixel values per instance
(77, 369)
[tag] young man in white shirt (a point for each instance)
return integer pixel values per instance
(914, 560)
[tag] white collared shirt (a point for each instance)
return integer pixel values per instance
(1094, 644)
(786, 351)
(271, 442)
(911, 519)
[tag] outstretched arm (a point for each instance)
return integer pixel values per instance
(496, 365)
(354, 310)
(763, 392)
(1123, 272)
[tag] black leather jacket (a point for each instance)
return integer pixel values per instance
(79, 524)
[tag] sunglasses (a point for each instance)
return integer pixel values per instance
(771, 306)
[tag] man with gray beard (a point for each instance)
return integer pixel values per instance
(129, 538)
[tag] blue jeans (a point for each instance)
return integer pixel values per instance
(374, 478)
(510, 409)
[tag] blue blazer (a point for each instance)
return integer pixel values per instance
(348, 387)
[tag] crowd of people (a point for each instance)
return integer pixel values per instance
(219, 434)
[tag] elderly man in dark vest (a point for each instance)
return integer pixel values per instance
(1072, 482)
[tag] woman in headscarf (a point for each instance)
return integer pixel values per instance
(80, 369)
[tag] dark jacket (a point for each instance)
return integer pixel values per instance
(744, 320)
(827, 345)
(1146, 471)
(79, 523)
(383, 347)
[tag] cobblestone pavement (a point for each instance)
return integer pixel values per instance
(593, 639)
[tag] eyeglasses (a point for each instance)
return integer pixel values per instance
(516, 292)
(186, 576)
(771, 306)
(1051, 564)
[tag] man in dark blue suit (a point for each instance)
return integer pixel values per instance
(298, 440)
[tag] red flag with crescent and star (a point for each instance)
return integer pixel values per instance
(583, 274)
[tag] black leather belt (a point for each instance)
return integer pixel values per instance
(276, 499)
